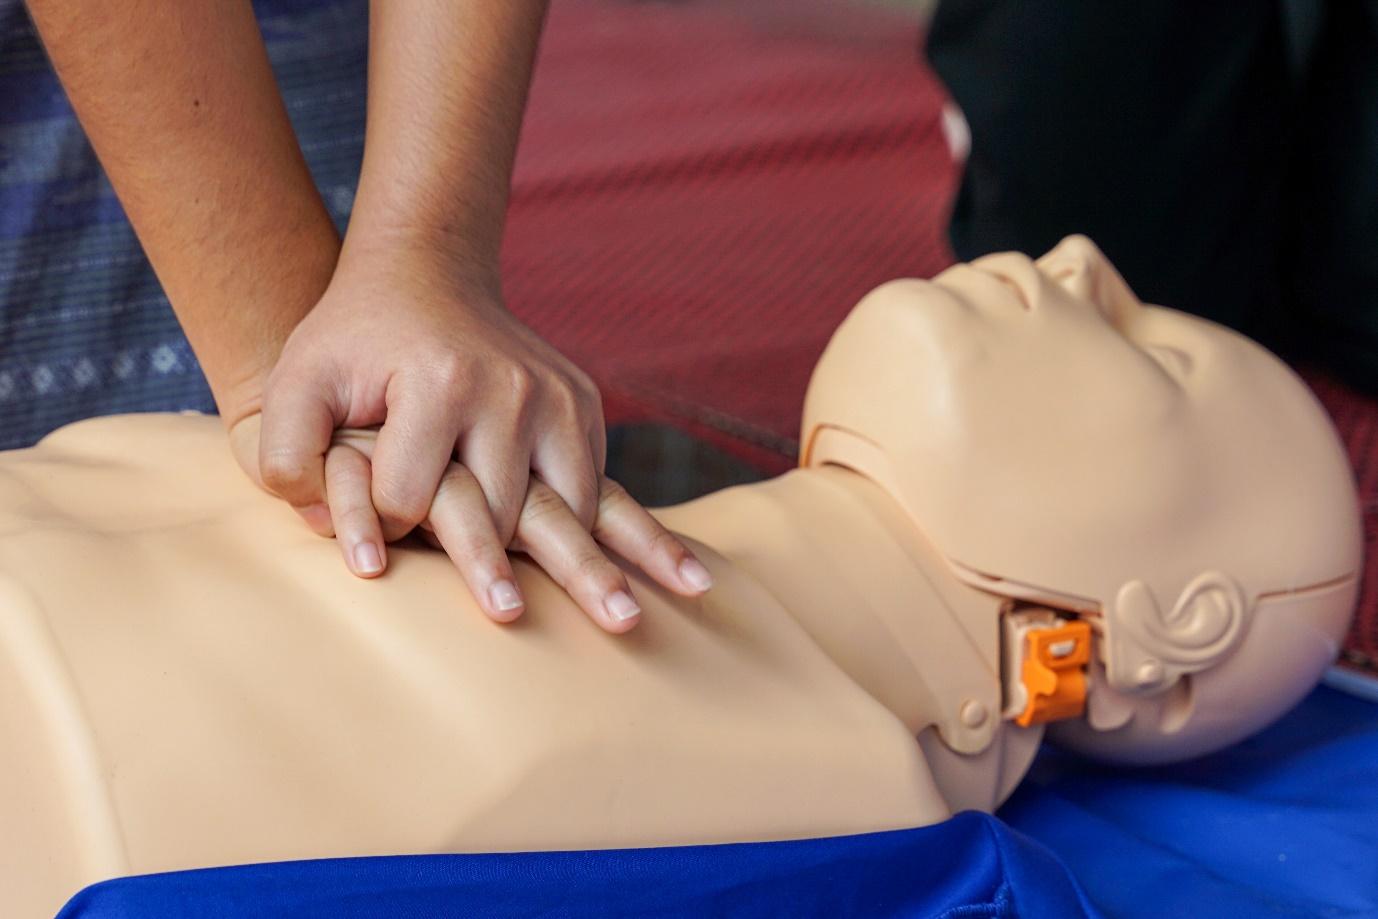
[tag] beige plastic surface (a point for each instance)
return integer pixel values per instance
(190, 678)
(1061, 443)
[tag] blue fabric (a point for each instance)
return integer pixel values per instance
(970, 867)
(84, 327)
(1284, 824)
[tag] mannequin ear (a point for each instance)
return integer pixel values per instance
(1085, 272)
(1148, 648)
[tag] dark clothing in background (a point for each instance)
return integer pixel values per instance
(1223, 155)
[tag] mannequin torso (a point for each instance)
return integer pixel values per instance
(193, 680)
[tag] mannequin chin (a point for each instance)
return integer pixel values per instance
(189, 677)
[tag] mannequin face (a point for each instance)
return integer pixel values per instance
(1060, 442)
(1046, 427)
(1115, 380)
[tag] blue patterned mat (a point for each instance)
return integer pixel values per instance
(84, 327)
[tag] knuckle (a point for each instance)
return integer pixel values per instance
(522, 383)
(584, 507)
(661, 541)
(501, 481)
(508, 529)
(541, 501)
(506, 511)
(449, 371)
(398, 503)
(352, 508)
(584, 491)
(456, 482)
(593, 569)
(346, 490)
(503, 496)
(343, 471)
(568, 400)
(356, 519)
(283, 470)
(474, 551)
(612, 497)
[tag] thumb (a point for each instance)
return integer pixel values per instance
(294, 436)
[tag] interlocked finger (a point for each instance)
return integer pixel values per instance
(549, 532)
(462, 522)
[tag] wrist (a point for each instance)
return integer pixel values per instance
(240, 397)
(425, 252)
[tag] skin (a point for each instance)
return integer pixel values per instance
(487, 437)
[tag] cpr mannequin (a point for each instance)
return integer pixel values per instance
(1024, 499)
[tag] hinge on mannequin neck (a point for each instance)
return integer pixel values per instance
(958, 652)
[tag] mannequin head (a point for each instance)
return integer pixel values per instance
(1064, 445)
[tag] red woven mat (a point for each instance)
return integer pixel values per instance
(705, 190)
(1356, 416)
(702, 194)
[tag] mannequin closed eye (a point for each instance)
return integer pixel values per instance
(1018, 291)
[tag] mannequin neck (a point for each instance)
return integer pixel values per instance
(840, 554)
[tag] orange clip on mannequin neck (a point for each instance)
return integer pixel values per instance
(1025, 499)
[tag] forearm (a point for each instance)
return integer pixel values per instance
(447, 86)
(179, 102)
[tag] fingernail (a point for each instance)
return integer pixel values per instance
(695, 575)
(621, 606)
(366, 558)
(504, 596)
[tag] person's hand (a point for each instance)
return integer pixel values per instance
(546, 530)
(432, 356)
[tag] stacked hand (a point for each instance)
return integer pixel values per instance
(486, 438)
